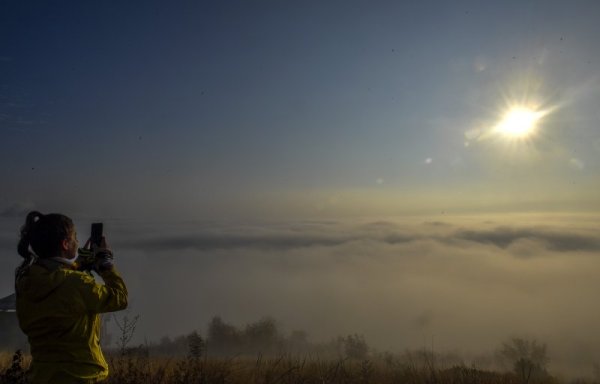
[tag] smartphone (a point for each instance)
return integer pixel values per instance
(97, 229)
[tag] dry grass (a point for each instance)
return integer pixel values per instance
(297, 370)
(140, 368)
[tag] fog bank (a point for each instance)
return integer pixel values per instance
(459, 283)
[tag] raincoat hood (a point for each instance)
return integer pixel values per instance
(41, 279)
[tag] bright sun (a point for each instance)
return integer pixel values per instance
(519, 122)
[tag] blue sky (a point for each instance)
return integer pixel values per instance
(249, 108)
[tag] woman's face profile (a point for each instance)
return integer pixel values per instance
(73, 243)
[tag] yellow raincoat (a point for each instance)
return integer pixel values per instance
(58, 310)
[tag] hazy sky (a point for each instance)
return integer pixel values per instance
(197, 109)
(246, 157)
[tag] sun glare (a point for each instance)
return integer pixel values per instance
(519, 122)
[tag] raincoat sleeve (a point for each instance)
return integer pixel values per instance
(108, 297)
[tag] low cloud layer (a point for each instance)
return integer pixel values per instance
(331, 234)
(504, 237)
(462, 283)
(16, 210)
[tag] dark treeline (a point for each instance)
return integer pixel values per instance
(526, 358)
(261, 337)
(226, 346)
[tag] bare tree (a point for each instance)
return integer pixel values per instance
(127, 328)
(527, 357)
(222, 337)
(355, 347)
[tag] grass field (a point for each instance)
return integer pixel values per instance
(140, 368)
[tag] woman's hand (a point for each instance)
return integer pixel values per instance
(96, 257)
(103, 260)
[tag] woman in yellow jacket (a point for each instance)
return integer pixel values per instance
(58, 304)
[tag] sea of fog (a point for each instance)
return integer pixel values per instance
(452, 283)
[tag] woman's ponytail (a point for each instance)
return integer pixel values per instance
(23, 248)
